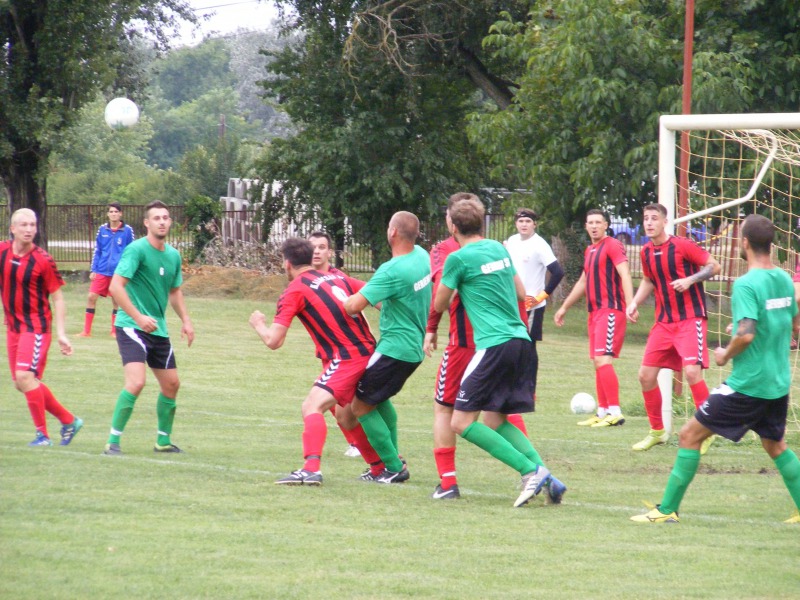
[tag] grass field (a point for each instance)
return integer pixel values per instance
(211, 524)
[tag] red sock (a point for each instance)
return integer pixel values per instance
(35, 398)
(516, 421)
(54, 407)
(446, 466)
(652, 404)
(368, 453)
(610, 384)
(315, 430)
(602, 402)
(87, 320)
(699, 392)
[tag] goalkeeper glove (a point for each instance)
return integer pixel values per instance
(532, 302)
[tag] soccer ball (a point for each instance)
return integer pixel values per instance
(582, 403)
(121, 112)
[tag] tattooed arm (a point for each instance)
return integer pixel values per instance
(745, 334)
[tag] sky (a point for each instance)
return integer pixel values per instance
(227, 16)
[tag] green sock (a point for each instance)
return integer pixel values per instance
(495, 444)
(381, 439)
(683, 471)
(122, 412)
(165, 409)
(389, 414)
(789, 467)
(520, 442)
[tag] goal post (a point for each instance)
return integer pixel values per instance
(738, 164)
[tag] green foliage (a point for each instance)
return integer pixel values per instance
(202, 214)
(186, 74)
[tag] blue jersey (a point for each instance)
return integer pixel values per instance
(109, 246)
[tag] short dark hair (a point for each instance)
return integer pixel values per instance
(297, 251)
(467, 216)
(154, 204)
(760, 232)
(525, 213)
(116, 205)
(660, 208)
(407, 225)
(458, 197)
(321, 234)
(597, 211)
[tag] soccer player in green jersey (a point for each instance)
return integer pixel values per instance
(403, 288)
(147, 278)
(756, 394)
(498, 380)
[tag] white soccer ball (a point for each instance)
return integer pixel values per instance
(582, 403)
(121, 112)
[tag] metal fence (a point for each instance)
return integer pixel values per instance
(72, 230)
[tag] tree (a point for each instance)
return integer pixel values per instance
(57, 56)
(372, 141)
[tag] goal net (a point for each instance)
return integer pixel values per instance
(737, 165)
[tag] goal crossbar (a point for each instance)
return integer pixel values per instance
(670, 125)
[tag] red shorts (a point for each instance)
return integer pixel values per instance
(27, 352)
(606, 328)
(340, 377)
(451, 371)
(677, 345)
(100, 285)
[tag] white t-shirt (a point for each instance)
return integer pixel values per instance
(530, 258)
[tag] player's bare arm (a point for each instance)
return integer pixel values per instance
(646, 288)
(745, 334)
(624, 271)
(430, 344)
(273, 335)
(708, 271)
(120, 296)
(59, 314)
(355, 304)
(178, 304)
(578, 290)
(444, 295)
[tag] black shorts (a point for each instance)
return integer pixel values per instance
(498, 379)
(731, 414)
(137, 346)
(535, 322)
(384, 377)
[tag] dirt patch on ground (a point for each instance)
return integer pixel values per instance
(225, 282)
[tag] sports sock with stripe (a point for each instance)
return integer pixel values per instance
(520, 442)
(122, 412)
(315, 430)
(165, 411)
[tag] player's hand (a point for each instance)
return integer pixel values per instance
(257, 319)
(681, 285)
(147, 324)
(632, 312)
(430, 343)
(559, 317)
(719, 357)
(187, 331)
(729, 328)
(65, 345)
(533, 301)
(92, 276)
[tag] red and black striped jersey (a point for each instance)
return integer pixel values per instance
(27, 283)
(675, 259)
(317, 299)
(603, 283)
(460, 327)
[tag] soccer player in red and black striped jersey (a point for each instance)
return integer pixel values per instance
(606, 282)
(459, 351)
(674, 269)
(344, 343)
(29, 278)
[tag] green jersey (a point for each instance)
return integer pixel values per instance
(403, 286)
(767, 297)
(151, 275)
(483, 274)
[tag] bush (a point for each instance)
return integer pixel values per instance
(202, 214)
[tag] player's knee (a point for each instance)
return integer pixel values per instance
(24, 380)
